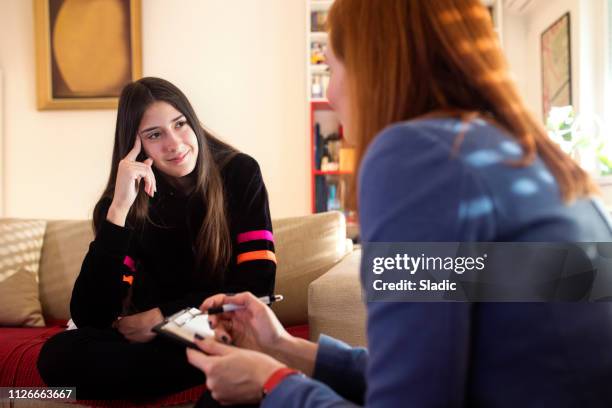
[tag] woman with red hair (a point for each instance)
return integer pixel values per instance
(448, 152)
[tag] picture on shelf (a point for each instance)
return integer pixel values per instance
(317, 20)
(317, 52)
(319, 85)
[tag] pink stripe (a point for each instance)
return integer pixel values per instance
(255, 235)
(129, 262)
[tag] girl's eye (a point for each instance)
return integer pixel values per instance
(180, 123)
(153, 135)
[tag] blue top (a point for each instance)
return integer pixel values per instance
(415, 187)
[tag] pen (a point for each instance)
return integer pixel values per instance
(230, 307)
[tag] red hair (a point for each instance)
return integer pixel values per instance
(405, 59)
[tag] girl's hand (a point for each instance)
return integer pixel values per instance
(137, 327)
(129, 175)
(255, 327)
(233, 375)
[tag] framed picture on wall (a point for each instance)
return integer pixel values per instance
(556, 59)
(86, 52)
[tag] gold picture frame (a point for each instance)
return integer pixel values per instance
(86, 51)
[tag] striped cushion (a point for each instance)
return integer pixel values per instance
(20, 246)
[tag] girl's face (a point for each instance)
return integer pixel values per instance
(336, 90)
(168, 140)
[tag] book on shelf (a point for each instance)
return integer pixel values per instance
(331, 194)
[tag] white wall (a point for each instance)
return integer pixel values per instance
(514, 40)
(241, 63)
(2, 161)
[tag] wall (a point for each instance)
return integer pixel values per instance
(1, 146)
(514, 40)
(241, 63)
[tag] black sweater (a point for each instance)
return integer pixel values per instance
(125, 272)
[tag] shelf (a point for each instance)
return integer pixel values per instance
(320, 5)
(320, 36)
(320, 104)
(319, 68)
(331, 173)
(329, 188)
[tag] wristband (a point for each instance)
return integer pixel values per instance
(276, 378)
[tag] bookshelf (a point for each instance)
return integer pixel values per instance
(332, 159)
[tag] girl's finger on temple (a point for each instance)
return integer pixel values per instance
(153, 181)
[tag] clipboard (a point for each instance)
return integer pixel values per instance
(185, 326)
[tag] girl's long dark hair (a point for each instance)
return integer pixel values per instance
(212, 248)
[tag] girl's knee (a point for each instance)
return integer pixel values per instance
(55, 359)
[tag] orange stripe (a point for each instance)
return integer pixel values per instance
(255, 256)
(128, 279)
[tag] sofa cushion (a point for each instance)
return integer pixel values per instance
(65, 246)
(335, 303)
(306, 247)
(20, 246)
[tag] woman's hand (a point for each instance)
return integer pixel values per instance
(129, 175)
(255, 327)
(233, 375)
(137, 327)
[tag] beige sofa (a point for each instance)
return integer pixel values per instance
(312, 251)
(306, 248)
(335, 303)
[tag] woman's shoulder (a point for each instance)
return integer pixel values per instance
(240, 163)
(445, 138)
(241, 172)
(407, 142)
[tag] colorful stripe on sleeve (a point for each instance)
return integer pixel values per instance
(260, 235)
(131, 265)
(256, 256)
(129, 262)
